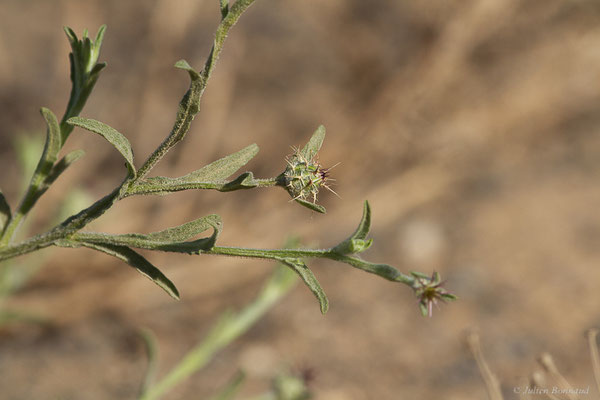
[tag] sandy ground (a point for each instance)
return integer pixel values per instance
(471, 127)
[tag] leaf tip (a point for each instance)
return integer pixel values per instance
(324, 306)
(47, 114)
(254, 149)
(70, 34)
(100, 35)
(312, 206)
(74, 120)
(184, 65)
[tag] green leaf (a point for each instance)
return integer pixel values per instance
(53, 139)
(5, 213)
(132, 258)
(84, 73)
(84, 52)
(71, 35)
(383, 270)
(211, 176)
(115, 138)
(356, 243)
(188, 107)
(315, 207)
(309, 279)
(187, 110)
(39, 182)
(161, 185)
(223, 168)
(219, 170)
(184, 65)
(187, 230)
(98, 42)
(171, 239)
(314, 144)
(244, 181)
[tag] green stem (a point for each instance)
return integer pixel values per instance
(272, 254)
(79, 95)
(80, 220)
(30, 245)
(234, 13)
(230, 327)
(383, 270)
(147, 188)
(267, 182)
(197, 87)
(64, 229)
(84, 217)
(27, 203)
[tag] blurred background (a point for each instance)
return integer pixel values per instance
(472, 128)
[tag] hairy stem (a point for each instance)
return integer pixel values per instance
(196, 88)
(383, 270)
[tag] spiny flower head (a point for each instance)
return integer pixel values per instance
(429, 290)
(304, 177)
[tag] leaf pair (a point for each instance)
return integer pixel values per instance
(174, 239)
(356, 243)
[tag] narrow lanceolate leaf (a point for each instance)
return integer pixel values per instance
(211, 176)
(62, 165)
(132, 258)
(161, 185)
(357, 242)
(314, 144)
(188, 106)
(383, 270)
(172, 239)
(315, 207)
(186, 231)
(5, 213)
(98, 42)
(53, 139)
(115, 138)
(219, 170)
(244, 181)
(309, 279)
(187, 110)
(184, 65)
